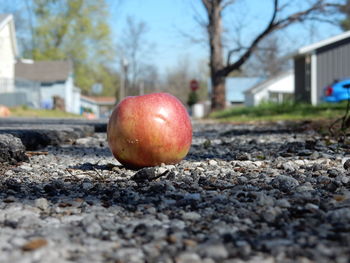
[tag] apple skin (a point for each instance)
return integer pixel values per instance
(149, 130)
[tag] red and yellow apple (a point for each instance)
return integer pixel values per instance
(149, 130)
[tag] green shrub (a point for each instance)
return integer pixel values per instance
(283, 111)
(192, 98)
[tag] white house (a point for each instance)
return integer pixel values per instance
(8, 52)
(101, 107)
(53, 78)
(278, 89)
(32, 83)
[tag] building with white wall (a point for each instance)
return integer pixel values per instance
(100, 107)
(8, 52)
(33, 83)
(55, 78)
(278, 89)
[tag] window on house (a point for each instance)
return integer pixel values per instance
(280, 97)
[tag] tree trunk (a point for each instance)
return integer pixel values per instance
(218, 99)
(219, 71)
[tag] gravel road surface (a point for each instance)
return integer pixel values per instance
(245, 193)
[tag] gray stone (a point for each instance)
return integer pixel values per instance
(284, 183)
(132, 255)
(345, 179)
(37, 137)
(346, 164)
(216, 252)
(188, 257)
(243, 156)
(145, 174)
(194, 196)
(283, 203)
(213, 162)
(42, 203)
(341, 215)
(179, 224)
(270, 214)
(99, 125)
(264, 200)
(11, 149)
(191, 216)
(26, 167)
(289, 167)
(305, 187)
(94, 228)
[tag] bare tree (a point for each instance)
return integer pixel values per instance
(220, 68)
(345, 9)
(177, 80)
(135, 48)
(149, 79)
(268, 59)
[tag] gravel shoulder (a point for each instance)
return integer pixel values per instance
(245, 193)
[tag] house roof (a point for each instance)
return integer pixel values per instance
(43, 71)
(100, 100)
(235, 87)
(4, 20)
(323, 43)
(261, 85)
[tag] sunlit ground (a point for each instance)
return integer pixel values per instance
(40, 113)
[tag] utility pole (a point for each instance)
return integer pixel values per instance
(142, 88)
(124, 79)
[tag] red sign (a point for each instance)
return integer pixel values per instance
(194, 85)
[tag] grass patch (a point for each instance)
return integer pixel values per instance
(285, 111)
(23, 111)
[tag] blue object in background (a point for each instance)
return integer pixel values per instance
(47, 104)
(338, 91)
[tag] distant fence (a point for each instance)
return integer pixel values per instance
(12, 99)
(7, 85)
(15, 92)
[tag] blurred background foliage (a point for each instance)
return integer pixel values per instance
(77, 31)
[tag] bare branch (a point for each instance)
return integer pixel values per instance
(226, 4)
(191, 37)
(278, 20)
(274, 25)
(270, 27)
(330, 21)
(207, 4)
(200, 21)
(299, 16)
(233, 51)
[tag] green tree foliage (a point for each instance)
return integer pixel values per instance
(345, 9)
(192, 98)
(75, 30)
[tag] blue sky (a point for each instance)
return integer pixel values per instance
(167, 20)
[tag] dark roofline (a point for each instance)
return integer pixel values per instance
(323, 43)
(44, 71)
